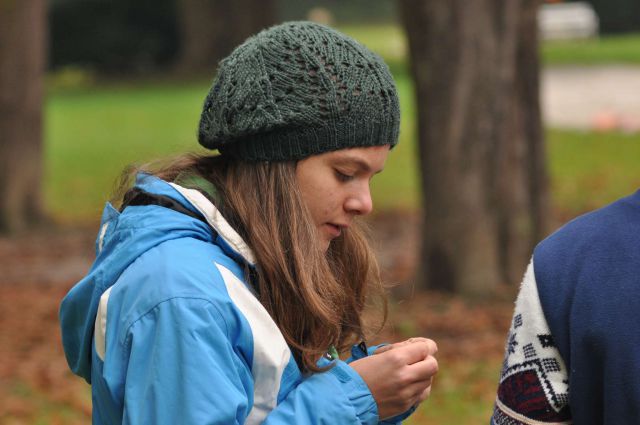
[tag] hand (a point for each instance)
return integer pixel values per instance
(399, 375)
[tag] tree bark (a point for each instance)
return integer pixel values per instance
(210, 29)
(481, 144)
(22, 64)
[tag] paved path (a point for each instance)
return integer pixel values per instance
(602, 97)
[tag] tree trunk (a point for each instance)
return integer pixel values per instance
(210, 29)
(22, 63)
(481, 144)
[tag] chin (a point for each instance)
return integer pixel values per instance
(325, 246)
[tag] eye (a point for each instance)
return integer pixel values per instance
(343, 177)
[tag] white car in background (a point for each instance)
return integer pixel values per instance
(567, 21)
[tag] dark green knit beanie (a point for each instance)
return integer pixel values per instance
(296, 90)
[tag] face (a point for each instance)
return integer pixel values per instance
(335, 187)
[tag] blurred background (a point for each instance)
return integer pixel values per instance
(517, 115)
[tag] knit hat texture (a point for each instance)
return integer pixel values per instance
(299, 89)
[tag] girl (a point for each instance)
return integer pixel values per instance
(224, 286)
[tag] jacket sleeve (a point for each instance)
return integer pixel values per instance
(338, 396)
(534, 384)
(183, 369)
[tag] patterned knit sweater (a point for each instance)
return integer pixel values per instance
(573, 350)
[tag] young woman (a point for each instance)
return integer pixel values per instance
(225, 286)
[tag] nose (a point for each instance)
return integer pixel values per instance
(359, 202)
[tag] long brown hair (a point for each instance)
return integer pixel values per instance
(316, 298)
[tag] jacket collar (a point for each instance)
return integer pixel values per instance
(226, 234)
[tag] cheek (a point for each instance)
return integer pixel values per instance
(331, 203)
(320, 193)
(323, 206)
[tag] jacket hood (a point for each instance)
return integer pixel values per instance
(122, 238)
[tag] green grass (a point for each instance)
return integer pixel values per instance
(396, 187)
(618, 49)
(463, 395)
(27, 405)
(91, 134)
(388, 40)
(589, 170)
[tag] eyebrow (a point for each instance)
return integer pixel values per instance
(363, 165)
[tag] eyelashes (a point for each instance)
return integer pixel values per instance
(343, 177)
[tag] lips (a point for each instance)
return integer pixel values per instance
(334, 230)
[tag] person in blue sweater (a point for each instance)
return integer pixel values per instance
(573, 351)
(226, 286)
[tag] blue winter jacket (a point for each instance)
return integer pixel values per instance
(167, 331)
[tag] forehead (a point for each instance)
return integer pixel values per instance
(370, 158)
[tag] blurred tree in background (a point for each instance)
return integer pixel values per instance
(210, 29)
(485, 201)
(113, 36)
(617, 16)
(121, 37)
(22, 65)
(344, 12)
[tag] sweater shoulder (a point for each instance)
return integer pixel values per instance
(607, 228)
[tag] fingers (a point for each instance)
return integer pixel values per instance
(414, 350)
(421, 391)
(424, 369)
(425, 394)
(416, 393)
(383, 349)
(432, 346)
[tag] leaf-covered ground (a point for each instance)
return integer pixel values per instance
(37, 269)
